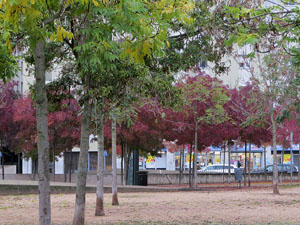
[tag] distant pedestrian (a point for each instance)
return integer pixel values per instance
(239, 164)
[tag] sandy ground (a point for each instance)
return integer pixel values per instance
(258, 206)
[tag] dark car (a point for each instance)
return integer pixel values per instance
(282, 168)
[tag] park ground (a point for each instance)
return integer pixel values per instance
(228, 206)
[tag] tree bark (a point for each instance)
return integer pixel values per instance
(126, 163)
(245, 166)
(122, 164)
(190, 166)
(65, 168)
(298, 124)
(79, 215)
(181, 166)
(229, 171)
(70, 167)
(291, 152)
(249, 166)
(114, 161)
(42, 132)
(2, 162)
(265, 163)
(299, 151)
(275, 169)
(195, 157)
(100, 168)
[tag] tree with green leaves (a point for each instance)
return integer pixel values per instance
(104, 32)
(35, 20)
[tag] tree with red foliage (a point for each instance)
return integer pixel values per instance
(7, 98)
(284, 132)
(249, 127)
(8, 128)
(63, 123)
(202, 109)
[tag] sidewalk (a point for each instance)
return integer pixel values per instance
(20, 187)
(15, 187)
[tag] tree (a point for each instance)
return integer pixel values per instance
(63, 123)
(8, 128)
(243, 110)
(101, 37)
(204, 98)
(35, 21)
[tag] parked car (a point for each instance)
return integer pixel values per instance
(217, 168)
(282, 168)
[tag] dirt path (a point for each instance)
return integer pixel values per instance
(221, 207)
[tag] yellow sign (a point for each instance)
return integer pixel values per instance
(188, 158)
(286, 158)
(150, 159)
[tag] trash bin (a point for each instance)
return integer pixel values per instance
(143, 178)
(238, 175)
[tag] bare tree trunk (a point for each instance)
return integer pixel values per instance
(190, 167)
(223, 172)
(275, 169)
(229, 171)
(292, 163)
(126, 160)
(100, 168)
(42, 131)
(122, 164)
(181, 167)
(53, 166)
(265, 163)
(245, 166)
(114, 161)
(299, 150)
(249, 165)
(65, 168)
(79, 215)
(70, 166)
(2, 162)
(195, 157)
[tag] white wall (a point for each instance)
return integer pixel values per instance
(59, 164)
(27, 166)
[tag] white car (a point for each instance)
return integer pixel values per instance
(217, 168)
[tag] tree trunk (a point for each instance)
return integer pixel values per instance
(181, 166)
(249, 165)
(53, 166)
(291, 152)
(299, 150)
(114, 161)
(245, 166)
(190, 167)
(2, 162)
(275, 169)
(42, 132)
(195, 157)
(126, 163)
(70, 166)
(122, 164)
(229, 171)
(100, 168)
(65, 168)
(79, 215)
(223, 172)
(265, 163)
